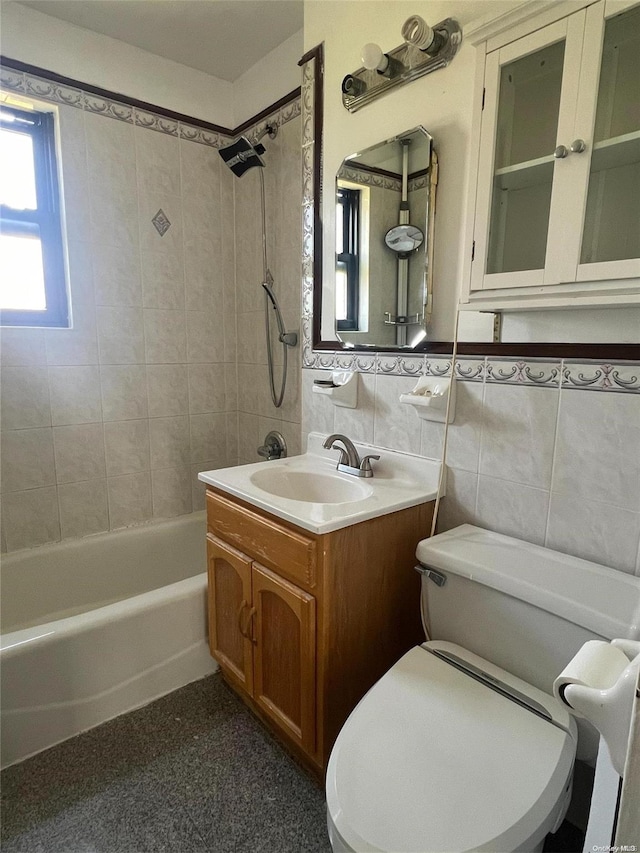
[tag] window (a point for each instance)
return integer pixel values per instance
(347, 263)
(32, 279)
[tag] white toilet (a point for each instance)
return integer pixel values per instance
(460, 746)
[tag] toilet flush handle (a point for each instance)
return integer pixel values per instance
(436, 576)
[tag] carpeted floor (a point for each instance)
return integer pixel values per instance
(192, 772)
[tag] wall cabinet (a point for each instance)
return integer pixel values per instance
(302, 625)
(556, 205)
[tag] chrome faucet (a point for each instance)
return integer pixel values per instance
(349, 461)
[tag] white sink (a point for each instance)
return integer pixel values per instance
(309, 492)
(310, 486)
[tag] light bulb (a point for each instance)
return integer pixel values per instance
(373, 58)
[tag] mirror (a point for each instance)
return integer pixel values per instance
(385, 204)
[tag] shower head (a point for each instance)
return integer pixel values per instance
(241, 155)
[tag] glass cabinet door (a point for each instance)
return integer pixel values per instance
(526, 132)
(612, 217)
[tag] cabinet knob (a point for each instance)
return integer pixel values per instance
(561, 152)
(578, 146)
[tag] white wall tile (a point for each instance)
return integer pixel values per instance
(116, 275)
(248, 437)
(124, 392)
(512, 509)
(208, 437)
(318, 413)
(169, 442)
(27, 459)
(24, 397)
(120, 335)
(77, 346)
(598, 448)
(463, 443)
(30, 518)
(79, 452)
(357, 424)
(129, 499)
(20, 346)
(431, 437)
(518, 433)
(458, 506)
(165, 336)
(162, 279)
(396, 426)
(596, 531)
(158, 162)
(75, 395)
(207, 388)
(167, 389)
(127, 447)
(83, 508)
(171, 492)
(205, 337)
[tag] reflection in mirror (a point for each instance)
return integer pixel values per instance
(385, 204)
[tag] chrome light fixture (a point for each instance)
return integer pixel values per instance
(425, 49)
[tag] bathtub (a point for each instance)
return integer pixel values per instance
(95, 627)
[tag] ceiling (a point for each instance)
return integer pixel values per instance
(220, 37)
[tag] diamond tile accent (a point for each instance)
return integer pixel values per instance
(161, 222)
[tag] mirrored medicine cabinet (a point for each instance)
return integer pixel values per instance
(385, 203)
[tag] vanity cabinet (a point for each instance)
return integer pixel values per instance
(556, 204)
(303, 625)
(262, 632)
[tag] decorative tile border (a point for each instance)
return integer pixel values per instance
(370, 179)
(590, 376)
(49, 90)
(518, 372)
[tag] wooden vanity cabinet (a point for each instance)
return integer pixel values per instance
(303, 625)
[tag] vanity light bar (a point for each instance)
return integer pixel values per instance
(403, 64)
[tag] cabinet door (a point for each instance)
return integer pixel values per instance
(609, 112)
(531, 88)
(229, 597)
(285, 655)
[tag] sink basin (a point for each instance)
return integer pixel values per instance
(310, 486)
(308, 492)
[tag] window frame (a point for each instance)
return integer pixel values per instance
(349, 203)
(45, 221)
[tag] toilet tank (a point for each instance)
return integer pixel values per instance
(526, 608)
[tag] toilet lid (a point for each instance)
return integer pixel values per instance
(433, 760)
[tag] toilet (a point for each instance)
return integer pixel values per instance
(460, 746)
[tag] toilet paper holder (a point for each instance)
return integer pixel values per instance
(599, 684)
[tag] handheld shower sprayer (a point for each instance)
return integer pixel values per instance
(289, 339)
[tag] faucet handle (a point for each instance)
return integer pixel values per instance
(365, 464)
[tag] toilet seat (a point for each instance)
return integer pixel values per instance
(432, 759)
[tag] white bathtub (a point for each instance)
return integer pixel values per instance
(95, 627)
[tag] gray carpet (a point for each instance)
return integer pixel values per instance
(192, 772)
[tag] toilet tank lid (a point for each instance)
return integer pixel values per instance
(595, 597)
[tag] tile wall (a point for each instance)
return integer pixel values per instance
(543, 451)
(107, 424)
(546, 451)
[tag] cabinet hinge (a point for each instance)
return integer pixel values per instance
(473, 251)
(484, 91)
